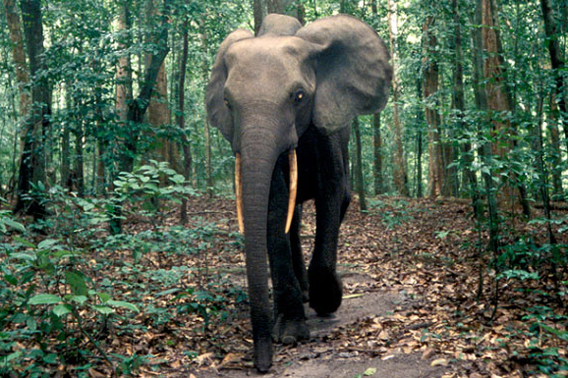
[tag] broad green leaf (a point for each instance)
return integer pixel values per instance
(25, 242)
(178, 179)
(11, 279)
(22, 256)
(81, 299)
(50, 358)
(85, 204)
(104, 297)
(562, 335)
(13, 356)
(167, 292)
(76, 281)
(47, 243)
(123, 304)
(105, 310)
(62, 309)
(65, 253)
(45, 299)
(15, 225)
(31, 323)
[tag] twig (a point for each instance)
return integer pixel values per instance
(374, 352)
(85, 333)
(212, 212)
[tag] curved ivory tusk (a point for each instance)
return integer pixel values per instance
(293, 188)
(239, 193)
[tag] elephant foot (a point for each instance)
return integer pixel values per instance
(325, 291)
(263, 355)
(290, 331)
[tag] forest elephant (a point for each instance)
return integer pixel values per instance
(285, 100)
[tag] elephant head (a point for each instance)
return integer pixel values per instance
(264, 93)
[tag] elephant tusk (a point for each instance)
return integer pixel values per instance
(293, 188)
(239, 193)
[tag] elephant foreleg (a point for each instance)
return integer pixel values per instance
(290, 326)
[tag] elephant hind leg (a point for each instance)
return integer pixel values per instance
(332, 200)
(297, 256)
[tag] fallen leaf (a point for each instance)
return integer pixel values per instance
(351, 296)
(439, 362)
(204, 359)
(370, 371)
(428, 353)
(96, 374)
(230, 357)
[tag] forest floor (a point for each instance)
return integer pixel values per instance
(413, 304)
(411, 309)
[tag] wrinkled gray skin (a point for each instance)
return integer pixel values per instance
(294, 87)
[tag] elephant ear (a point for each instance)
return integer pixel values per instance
(353, 73)
(217, 112)
(280, 25)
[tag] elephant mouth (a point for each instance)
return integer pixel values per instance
(293, 162)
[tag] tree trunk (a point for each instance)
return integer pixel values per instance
(100, 179)
(18, 54)
(485, 152)
(458, 103)
(32, 163)
(259, 13)
(181, 115)
(124, 66)
(359, 166)
(124, 93)
(377, 142)
(205, 70)
(556, 61)
(65, 147)
(498, 99)
(274, 6)
(399, 163)
(556, 154)
(430, 87)
(538, 146)
(78, 176)
(419, 148)
(378, 161)
(159, 115)
(137, 108)
(450, 187)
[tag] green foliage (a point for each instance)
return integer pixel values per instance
(32, 310)
(393, 214)
(146, 195)
(50, 303)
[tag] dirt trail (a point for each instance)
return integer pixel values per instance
(323, 356)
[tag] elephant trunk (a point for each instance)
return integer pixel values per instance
(257, 162)
(293, 163)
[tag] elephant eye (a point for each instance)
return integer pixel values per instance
(227, 103)
(299, 96)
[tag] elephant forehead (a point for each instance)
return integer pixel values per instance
(267, 58)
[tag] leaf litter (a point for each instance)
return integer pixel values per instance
(411, 271)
